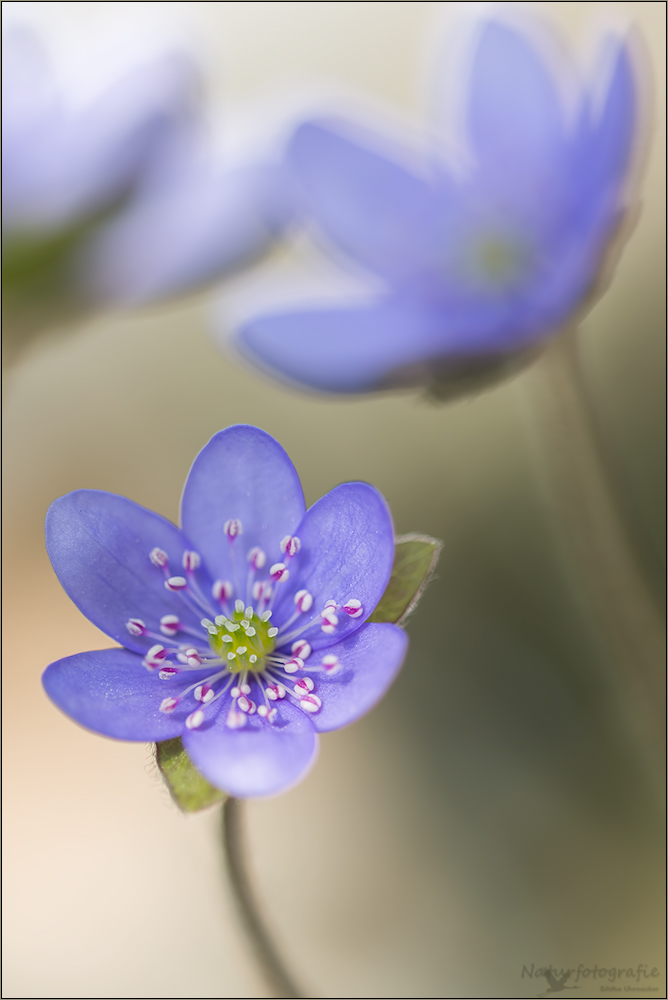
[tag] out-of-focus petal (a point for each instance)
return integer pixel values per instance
(605, 148)
(260, 759)
(65, 163)
(99, 546)
(370, 660)
(370, 205)
(243, 474)
(347, 551)
(515, 120)
(182, 235)
(360, 349)
(110, 692)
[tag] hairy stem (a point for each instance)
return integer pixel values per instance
(610, 581)
(276, 975)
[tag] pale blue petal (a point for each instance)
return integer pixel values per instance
(243, 474)
(365, 201)
(112, 693)
(261, 758)
(515, 121)
(99, 546)
(370, 659)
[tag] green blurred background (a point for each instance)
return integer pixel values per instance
(492, 812)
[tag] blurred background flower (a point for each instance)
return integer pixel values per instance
(482, 258)
(490, 813)
(120, 199)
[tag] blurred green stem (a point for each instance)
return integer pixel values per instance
(618, 598)
(276, 975)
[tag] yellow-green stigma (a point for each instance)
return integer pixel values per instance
(497, 260)
(244, 640)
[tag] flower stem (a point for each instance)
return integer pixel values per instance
(276, 975)
(607, 576)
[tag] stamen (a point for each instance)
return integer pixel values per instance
(293, 665)
(304, 686)
(232, 528)
(135, 626)
(176, 583)
(168, 705)
(310, 703)
(353, 608)
(222, 590)
(267, 713)
(166, 673)
(301, 648)
(235, 720)
(246, 705)
(158, 557)
(204, 692)
(290, 545)
(279, 571)
(195, 719)
(329, 618)
(257, 557)
(303, 600)
(331, 663)
(191, 560)
(261, 591)
(155, 656)
(276, 691)
(170, 625)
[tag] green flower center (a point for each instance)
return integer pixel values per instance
(244, 640)
(498, 261)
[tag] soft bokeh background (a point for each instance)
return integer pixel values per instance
(491, 813)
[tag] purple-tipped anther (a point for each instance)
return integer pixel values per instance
(353, 608)
(232, 528)
(222, 590)
(136, 626)
(257, 557)
(279, 572)
(303, 600)
(170, 625)
(290, 545)
(190, 561)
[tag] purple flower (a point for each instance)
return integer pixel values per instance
(244, 632)
(62, 164)
(482, 262)
(120, 202)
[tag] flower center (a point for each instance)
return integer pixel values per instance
(247, 657)
(497, 259)
(244, 640)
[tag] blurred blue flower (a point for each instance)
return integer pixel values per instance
(481, 263)
(245, 631)
(117, 202)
